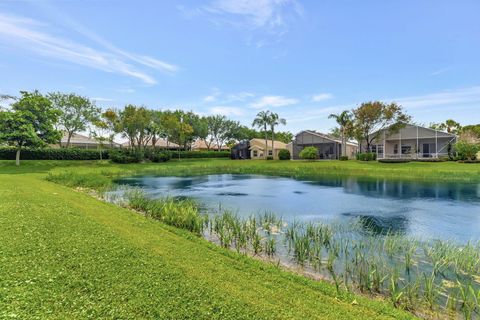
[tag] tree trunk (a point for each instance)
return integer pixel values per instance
(17, 156)
(70, 134)
(273, 139)
(266, 146)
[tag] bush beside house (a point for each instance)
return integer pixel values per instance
(309, 153)
(284, 154)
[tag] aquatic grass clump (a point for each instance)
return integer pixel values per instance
(183, 214)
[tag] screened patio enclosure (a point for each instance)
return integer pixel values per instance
(413, 142)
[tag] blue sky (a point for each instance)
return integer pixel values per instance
(301, 59)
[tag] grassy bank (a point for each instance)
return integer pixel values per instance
(65, 254)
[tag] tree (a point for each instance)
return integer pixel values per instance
(156, 128)
(344, 120)
(371, 118)
(77, 112)
(450, 126)
(275, 120)
(262, 121)
(102, 134)
(133, 123)
(29, 123)
(220, 129)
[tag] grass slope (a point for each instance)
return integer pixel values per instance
(64, 254)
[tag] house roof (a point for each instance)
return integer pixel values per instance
(78, 139)
(443, 133)
(201, 144)
(276, 144)
(328, 137)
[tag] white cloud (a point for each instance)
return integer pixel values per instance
(240, 96)
(448, 97)
(273, 101)
(227, 111)
(268, 18)
(213, 96)
(101, 99)
(439, 71)
(321, 97)
(28, 34)
(257, 13)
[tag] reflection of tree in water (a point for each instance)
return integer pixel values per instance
(381, 225)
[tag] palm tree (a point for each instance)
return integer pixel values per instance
(274, 121)
(262, 121)
(343, 119)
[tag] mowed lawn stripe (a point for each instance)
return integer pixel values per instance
(65, 254)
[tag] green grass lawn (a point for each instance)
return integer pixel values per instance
(65, 254)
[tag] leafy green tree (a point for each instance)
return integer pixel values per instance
(77, 112)
(133, 123)
(102, 134)
(344, 121)
(274, 121)
(29, 123)
(450, 126)
(262, 121)
(156, 127)
(371, 118)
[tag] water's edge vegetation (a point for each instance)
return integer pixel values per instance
(427, 278)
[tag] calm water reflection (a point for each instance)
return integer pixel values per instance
(426, 210)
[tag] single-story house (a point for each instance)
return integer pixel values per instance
(83, 142)
(240, 151)
(201, 145)
(412, 141)
(159, 143)
(328, 147)
(257, 148)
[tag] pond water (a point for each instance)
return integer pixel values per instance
(447, 211)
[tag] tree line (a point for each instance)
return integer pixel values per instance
(36, 120)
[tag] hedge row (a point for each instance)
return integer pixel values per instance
(200, 154)
(8, 153)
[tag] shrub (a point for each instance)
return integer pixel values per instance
(161, 156)
(309, 153)
(126, 156)
(8, 153)
(269, 157)
(284, 154)
(343, 158)
(367, 156)
(394, 160)
(466, 150)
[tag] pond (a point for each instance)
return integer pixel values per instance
(446, 211)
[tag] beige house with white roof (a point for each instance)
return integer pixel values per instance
(257, 148)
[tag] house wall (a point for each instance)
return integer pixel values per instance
(259, 147)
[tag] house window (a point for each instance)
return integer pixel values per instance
(406, 149)
(374, 149)
(380, 148)
(395, 149)
(255, 153)
(270, 152)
